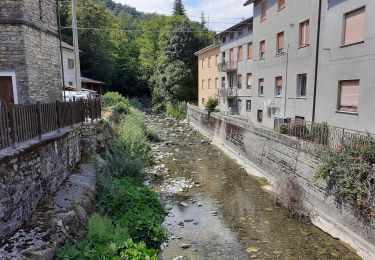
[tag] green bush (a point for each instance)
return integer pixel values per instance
(152, 135)
(350, 177)
(112, 98)
(134, 102)
(211, 104)
(177, 110)
(134, 206)
(282, 129)
(122, 107)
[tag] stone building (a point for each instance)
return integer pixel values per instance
(30, 67)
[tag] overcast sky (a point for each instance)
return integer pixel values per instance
(222, 13)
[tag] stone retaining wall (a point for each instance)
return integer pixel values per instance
(35, 169)
(276, 156)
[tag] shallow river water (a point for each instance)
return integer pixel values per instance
(215, 210)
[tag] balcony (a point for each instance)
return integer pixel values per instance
(227, 92)
(227, 66)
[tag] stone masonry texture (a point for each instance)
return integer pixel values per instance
(29, 46)
(36, 169)
(278, 156)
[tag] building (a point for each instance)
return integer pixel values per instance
(235, 68)
(284, 65)
(69, 65)
(346, 73)
(208, 75)
(30, 67)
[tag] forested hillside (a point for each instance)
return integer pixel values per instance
(138, 54)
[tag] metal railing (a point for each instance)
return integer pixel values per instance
(227, 92)
(20, 123)
(227, 66)
(326, 135)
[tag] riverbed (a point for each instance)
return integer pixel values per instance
(216, 210)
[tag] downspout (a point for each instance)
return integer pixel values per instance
(286, 81)
(61, 52)
(317, 60)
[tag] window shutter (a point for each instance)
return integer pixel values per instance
(249, 79)
(240, 53)
(354, 26)
(307, 33)
(262, 46)
(349, 95)
(263, 10)
(250, 50)
(279, 81)
(280, 41)
(281, 4)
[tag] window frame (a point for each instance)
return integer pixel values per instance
(203, 81)
(240, 57)
(278, 52)
(276, 86)
(299, 95)
(209, 84)
(279, 6)
(343, 37)
(260, 116)
(262, 57)
(249, 75)
(248, 107)
(339, 107)
(263, 16)
(239, 81)
(261, 87)
(248, 51)
(302, 44)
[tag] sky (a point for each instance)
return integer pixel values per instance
(221, 14)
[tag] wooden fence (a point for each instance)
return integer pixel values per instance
(20, 123)
(329, 136)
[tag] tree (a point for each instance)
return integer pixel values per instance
(179, 8)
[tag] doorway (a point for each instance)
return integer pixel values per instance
(8, 94)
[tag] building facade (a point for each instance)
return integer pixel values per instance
(346, 73)
(285, 50)
(68, 65)
(30, 67)
(235, 69)
(208, 79)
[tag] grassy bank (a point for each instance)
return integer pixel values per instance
(128, 221)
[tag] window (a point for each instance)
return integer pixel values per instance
(202, 83)
(70, 64)
(240, 32)
(300, 120)
(70, 83)
(249, 28)
(260, 116)
(249, 80)
(280, 43)
(217, 83)
(354, 27)
(209, 84)
(261, 87)
(216, 60)
(202, 64)
(209, 62)
(224, 39)
(348, 95)
(250, 50)
(239, 105)
(278, 86)
(263, 10)
(281, 4)
(223, 82)
(301, 85)
(239, 81)
(203, 101)
(231, 81)
(240, 53)
(262, 49)
(248, 105)
(231, 36)
(304, 33)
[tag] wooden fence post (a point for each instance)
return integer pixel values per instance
(39, 118)
(91, 112)
(13, 125)
(58, 118)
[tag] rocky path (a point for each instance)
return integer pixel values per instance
(215, 210)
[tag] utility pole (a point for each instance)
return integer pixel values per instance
(76, 48)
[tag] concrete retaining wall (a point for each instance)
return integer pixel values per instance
(275, 156)
(35, 169)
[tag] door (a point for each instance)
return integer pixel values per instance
(6, 90)
(231, 59)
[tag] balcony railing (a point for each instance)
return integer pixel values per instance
(227, 66)
(227, 92)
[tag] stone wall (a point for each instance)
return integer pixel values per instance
(35, 169)
(29, 46)
(276, 156)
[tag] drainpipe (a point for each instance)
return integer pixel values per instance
(61, 52)
(317, 60)
(286, 81)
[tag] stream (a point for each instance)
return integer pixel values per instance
(215, 210)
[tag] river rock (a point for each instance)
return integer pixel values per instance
(185, 246)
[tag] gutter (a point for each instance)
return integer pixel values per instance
(317, 61)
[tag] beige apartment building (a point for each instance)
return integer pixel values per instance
(208, 79)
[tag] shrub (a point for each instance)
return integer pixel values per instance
(282, 129)
(134, 102)
(133, 206)
(211, 104)
(350, 177)
(112, 98)
(289, 195)
(177, 110)
(122, 107)
(152, 135)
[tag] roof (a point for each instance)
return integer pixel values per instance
(208, 48)
(91, 81)
(234, 27)
(248, 2)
